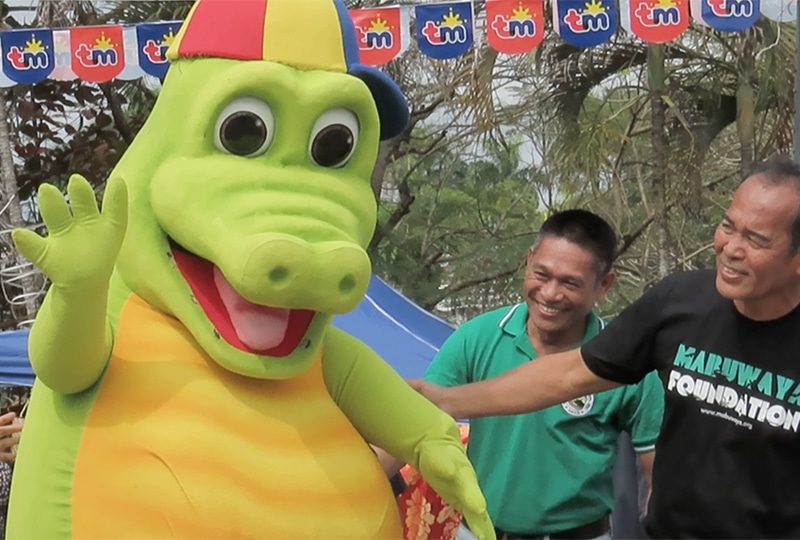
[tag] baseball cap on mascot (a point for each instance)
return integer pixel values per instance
(304, 34)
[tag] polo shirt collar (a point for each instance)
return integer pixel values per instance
(514, 324)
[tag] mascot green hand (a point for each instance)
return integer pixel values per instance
(189, 383)
(78, 257)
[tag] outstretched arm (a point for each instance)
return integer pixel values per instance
(391, 415)
(538, 384)
(71, 339)
(646, 460)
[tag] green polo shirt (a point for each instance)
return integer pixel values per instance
(546, 471)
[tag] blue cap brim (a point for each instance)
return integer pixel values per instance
(391, 103)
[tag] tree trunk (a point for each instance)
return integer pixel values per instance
(19, 277)
(385, 152)
(658, 177)
(745, 101)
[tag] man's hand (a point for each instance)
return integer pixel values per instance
(438, 395)
(9, 437)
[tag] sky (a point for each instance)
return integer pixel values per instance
(26, 15)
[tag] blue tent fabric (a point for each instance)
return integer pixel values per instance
(14, 366)
(402, 333)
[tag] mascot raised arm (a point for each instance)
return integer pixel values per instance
(189, 382)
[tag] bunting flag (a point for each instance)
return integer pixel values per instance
(379, 32)
(444, 30)
(153, 41)
(130, 43)
(514, 26)
(780, 10)
(583, 23)
(28, 55)
(655, 21)
(61, 44)
(726, 15)
(97, 51)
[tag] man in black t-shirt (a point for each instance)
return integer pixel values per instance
(726, 344)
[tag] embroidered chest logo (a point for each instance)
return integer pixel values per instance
(579, 406)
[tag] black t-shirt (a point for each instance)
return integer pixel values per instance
(728, 457)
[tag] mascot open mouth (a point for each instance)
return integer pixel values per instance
(253, 328)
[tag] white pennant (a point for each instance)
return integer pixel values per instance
(780, 10)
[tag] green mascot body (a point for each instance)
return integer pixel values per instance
(189, 383)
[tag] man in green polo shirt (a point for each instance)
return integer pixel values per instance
(549, 473)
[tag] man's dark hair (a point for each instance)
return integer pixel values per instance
(585, 229)
(783, 171)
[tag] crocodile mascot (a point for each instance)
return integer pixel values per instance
(189, 382)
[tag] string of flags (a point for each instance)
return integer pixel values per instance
(442, 31)
(90, 53)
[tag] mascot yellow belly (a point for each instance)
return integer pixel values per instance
(252, 455)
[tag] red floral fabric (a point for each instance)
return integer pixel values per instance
(425, 515)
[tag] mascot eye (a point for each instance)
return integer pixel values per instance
(334, 138)
(245, 127)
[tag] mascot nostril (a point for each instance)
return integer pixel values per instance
(279, 277)
(189, 383)
(347, 284)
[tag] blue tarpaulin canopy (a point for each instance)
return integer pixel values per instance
(402, 333)
(14, 366)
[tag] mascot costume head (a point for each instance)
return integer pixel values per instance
(189, 383)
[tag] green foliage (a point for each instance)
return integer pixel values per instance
(471, 223)
(68, 127)
(146, 11)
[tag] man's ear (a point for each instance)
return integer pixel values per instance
(529, 256)
(796, 262)
(605, 284)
